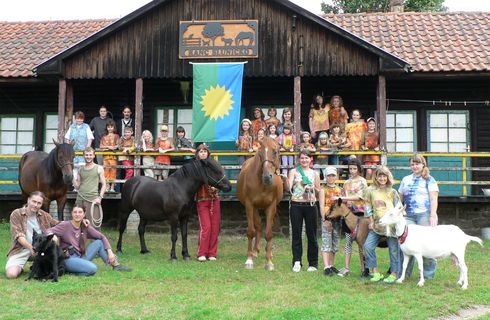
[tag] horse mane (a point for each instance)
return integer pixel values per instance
(50, 164)
(193, 168)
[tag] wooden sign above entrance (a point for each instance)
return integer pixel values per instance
(218, 39)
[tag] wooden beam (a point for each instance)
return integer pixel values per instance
(381, 108)
(138, 118)
(61, 109)
(69, 104)
(297, 106)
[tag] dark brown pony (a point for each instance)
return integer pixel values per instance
(50, 173)
(259, 187)
(353, 222)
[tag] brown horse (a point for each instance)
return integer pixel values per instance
(353, 222)
(49, 173)
(259, 187)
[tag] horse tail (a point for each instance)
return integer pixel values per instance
(21, 165)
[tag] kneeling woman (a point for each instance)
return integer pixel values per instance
(73, 235)
(380, 197)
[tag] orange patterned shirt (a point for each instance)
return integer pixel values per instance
(330, 192)
(354, 132)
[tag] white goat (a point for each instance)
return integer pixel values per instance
(429, 242)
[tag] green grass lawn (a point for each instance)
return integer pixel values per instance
(223, 289)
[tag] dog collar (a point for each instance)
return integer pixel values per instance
(404, 235)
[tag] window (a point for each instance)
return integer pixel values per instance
(174, 117)
(16, 134)
(400, 131)
(448, 131)
(51, 131)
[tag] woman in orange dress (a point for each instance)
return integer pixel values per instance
(355, 130)
(109, 142)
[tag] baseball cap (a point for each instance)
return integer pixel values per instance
(331, 170)
(164, 127)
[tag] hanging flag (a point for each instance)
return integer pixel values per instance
(217, 97)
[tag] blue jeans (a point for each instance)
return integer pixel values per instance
(370, 253)
(421, 219)
(83, 266)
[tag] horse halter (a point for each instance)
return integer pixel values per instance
(216, 182)
(61, 166)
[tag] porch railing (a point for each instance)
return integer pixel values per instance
(460, 165)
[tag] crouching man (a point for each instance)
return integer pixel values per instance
(23, 222)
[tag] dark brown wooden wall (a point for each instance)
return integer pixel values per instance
(148, 46)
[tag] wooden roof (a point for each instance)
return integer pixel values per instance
(144, 43)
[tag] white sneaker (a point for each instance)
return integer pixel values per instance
(297, 266)
(201, 259)
(212, 259)
(343, 272)
(311, 269)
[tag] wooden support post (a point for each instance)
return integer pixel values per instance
(138, 118)
(297, 106)
(61, 109)
(69, 105)
(381, 108)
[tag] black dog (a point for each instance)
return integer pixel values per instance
(49, 262)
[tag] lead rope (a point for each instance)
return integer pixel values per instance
(97, 222)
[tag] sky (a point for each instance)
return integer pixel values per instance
(36, 10)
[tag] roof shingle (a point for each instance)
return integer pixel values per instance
(429, 41)
(23, 45)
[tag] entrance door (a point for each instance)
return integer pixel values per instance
(448, 131)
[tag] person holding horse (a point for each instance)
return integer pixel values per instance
(80, 135)
(304, 186)
(23, 222)
(330, 228)
(87, 182)
(73, 236)
(208, 210)
(353, 193)
(381, 197)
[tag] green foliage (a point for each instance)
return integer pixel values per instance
(358, 6)
(160, 289)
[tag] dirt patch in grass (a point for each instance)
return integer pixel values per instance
(472, 312)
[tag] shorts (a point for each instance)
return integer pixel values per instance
(331, 239)
(18, 259)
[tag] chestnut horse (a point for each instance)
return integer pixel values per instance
(259, 187)
(50, 173)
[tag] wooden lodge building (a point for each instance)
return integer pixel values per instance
(425, 76)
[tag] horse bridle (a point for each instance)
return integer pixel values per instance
(61, 166)
(216, 182)
(272, 162)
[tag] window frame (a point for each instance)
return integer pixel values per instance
(414, 128)
(448, 127)
(17, 116)
(175, 122)
(45, 128)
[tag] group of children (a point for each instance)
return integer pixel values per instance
(330, 132)
(363, 201)
(111, 141)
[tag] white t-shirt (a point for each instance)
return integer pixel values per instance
(415, 191)
(32, 224)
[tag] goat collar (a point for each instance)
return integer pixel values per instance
(404, 235)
